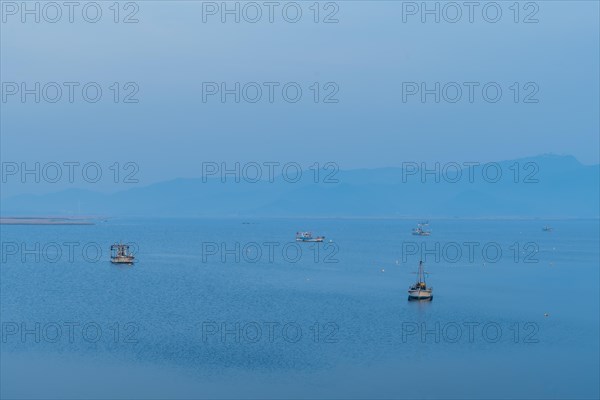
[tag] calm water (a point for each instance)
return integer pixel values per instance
(184, 323)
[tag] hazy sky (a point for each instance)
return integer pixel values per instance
(372, 61)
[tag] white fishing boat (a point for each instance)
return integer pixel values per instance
(547, 228)
(419, 290)
(419, 231)
(120, 254)
(308, 237)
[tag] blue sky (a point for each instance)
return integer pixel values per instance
(368, 55)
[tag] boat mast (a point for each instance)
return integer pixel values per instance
(421, 272)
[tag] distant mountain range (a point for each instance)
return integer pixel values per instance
(545, 186)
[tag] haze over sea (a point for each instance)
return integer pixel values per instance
(335, 323)
(121, 119)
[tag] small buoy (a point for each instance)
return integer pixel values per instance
(546, 314)
(382, 269)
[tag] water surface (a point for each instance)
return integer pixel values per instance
(185, 323)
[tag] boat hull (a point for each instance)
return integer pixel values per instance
(122, 260)
(420, 294)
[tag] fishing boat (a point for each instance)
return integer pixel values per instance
(419, 231)
(547, 228)
(419, 290)
(120, 254)
(308, 237)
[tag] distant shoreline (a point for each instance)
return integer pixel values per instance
(43, 221)
(254, 218)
